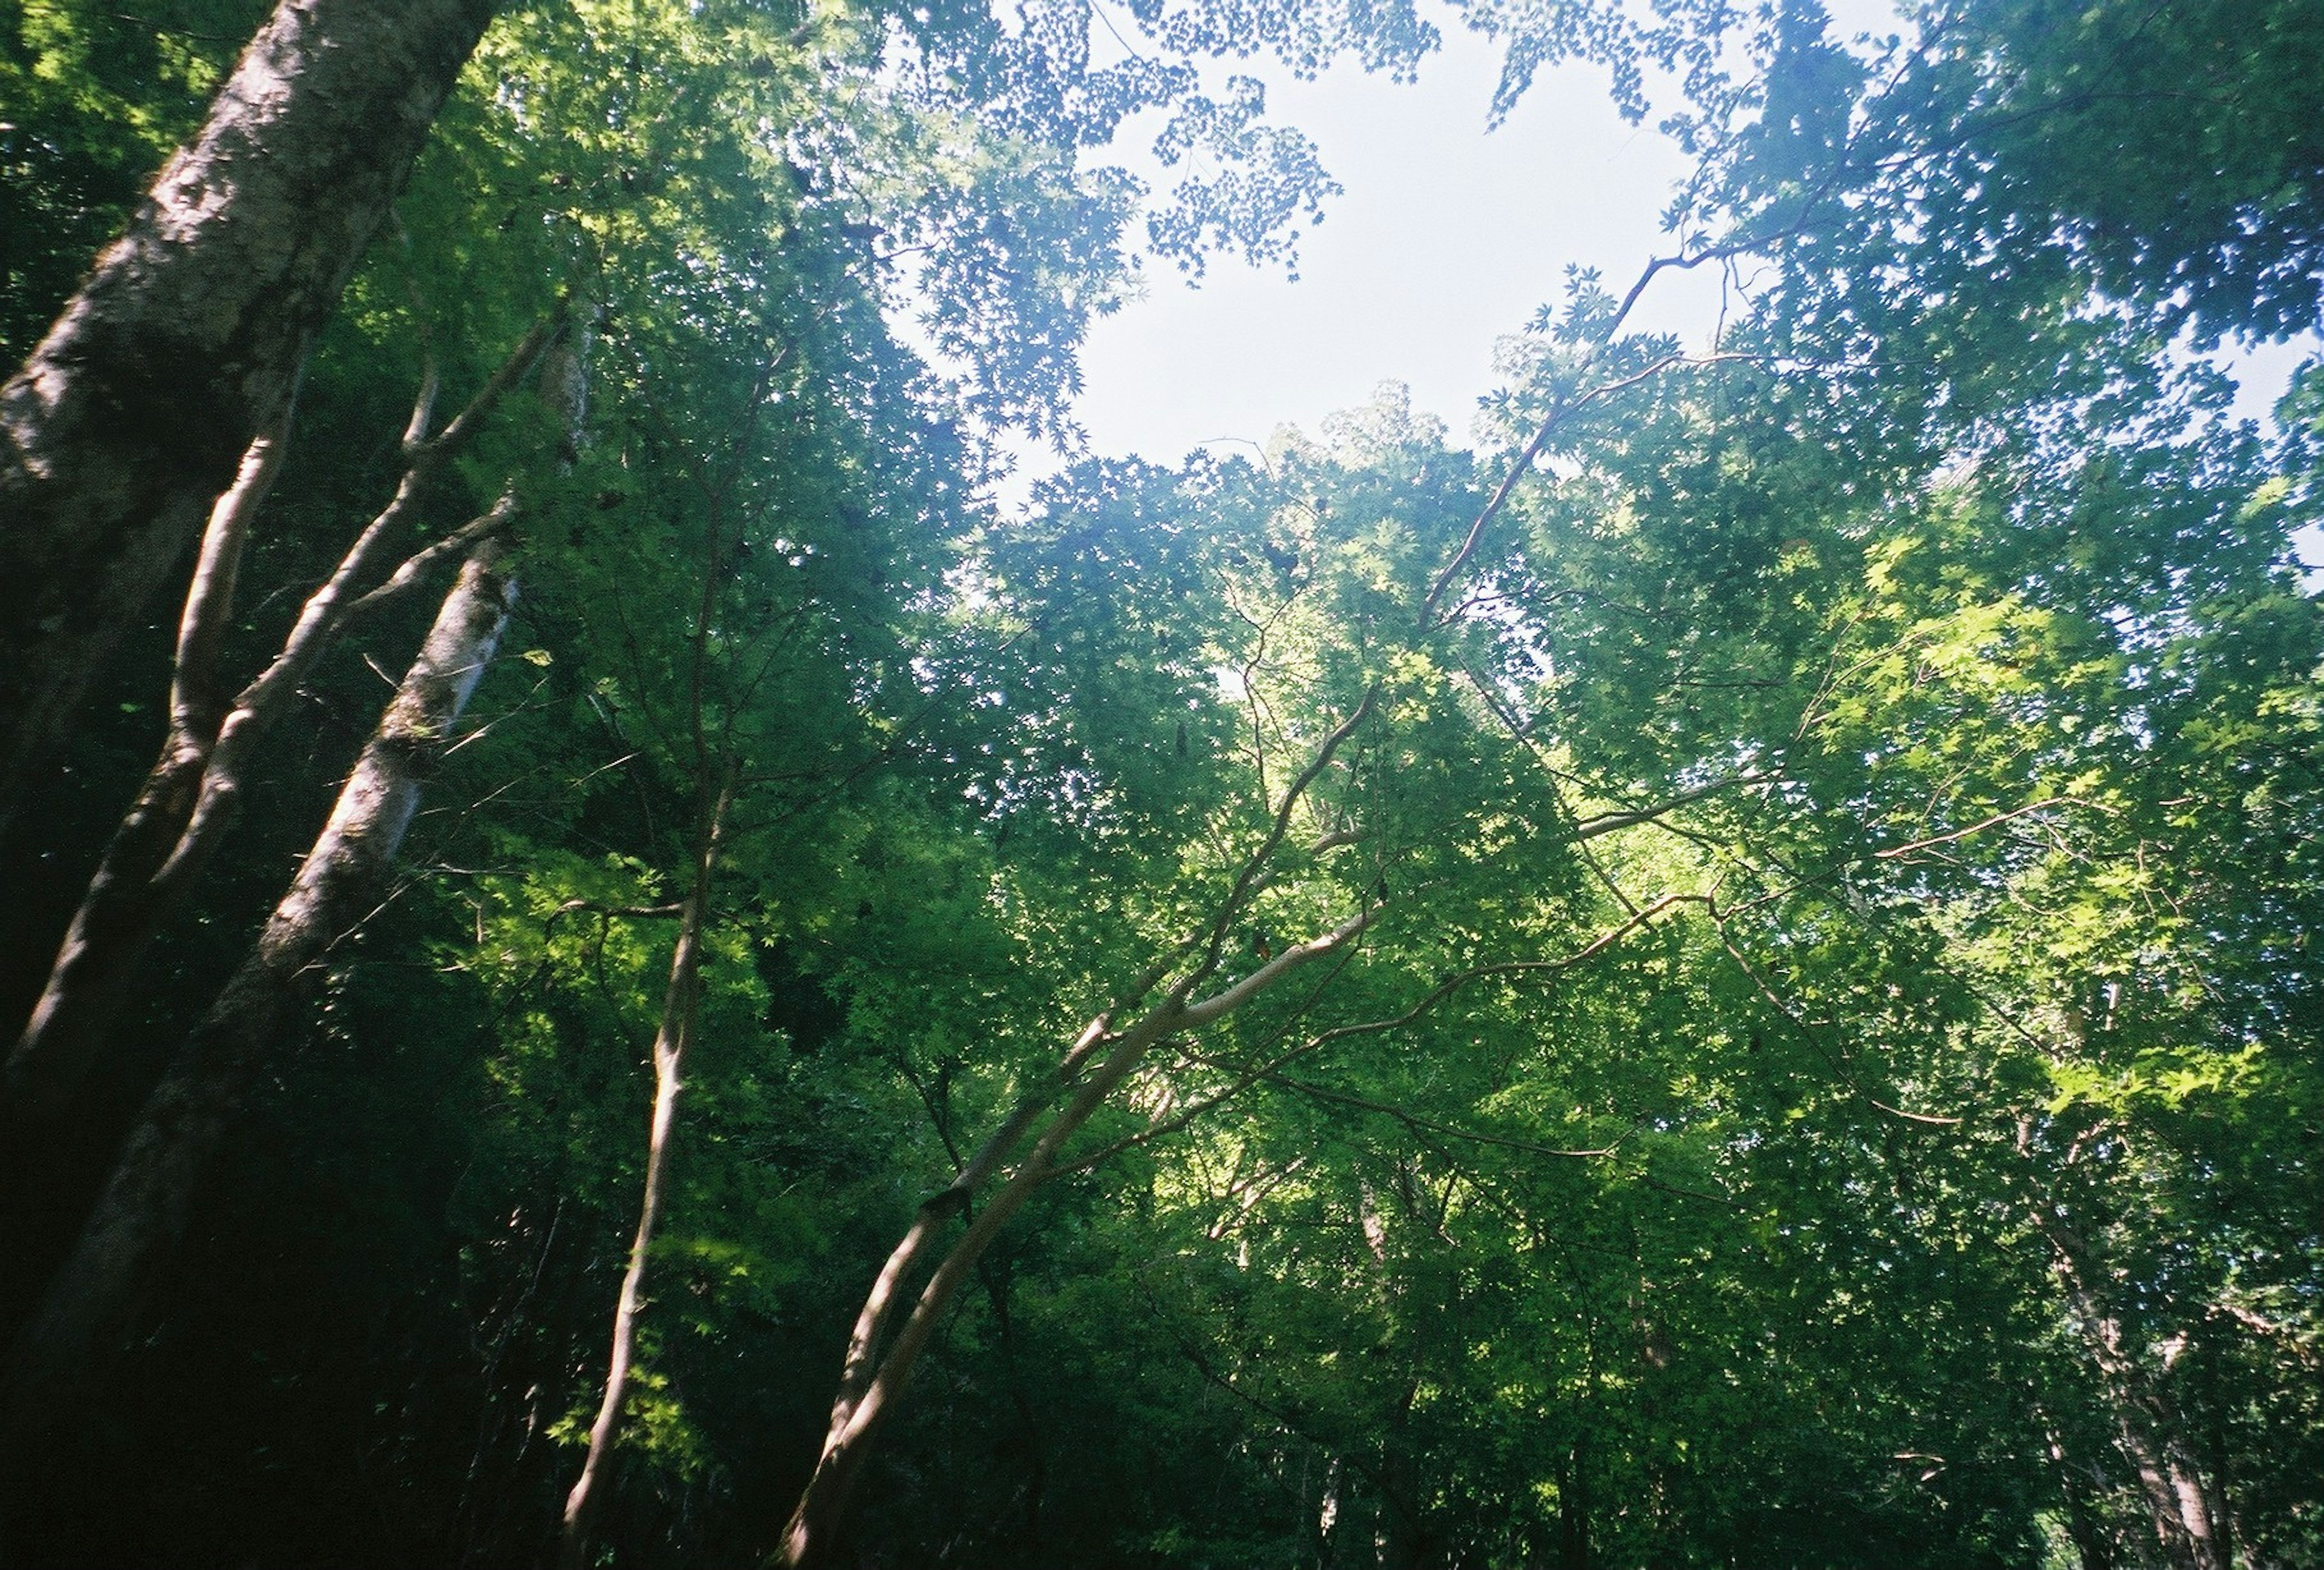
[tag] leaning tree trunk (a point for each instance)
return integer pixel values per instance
(143, 1212)
(873, 1380)
(166, 839)
(879, 1364)
(681, 1008)
(188, 339)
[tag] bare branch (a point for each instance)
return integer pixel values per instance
(210, 599)
(1893, 851)
(1220, 1004)
(415, 567)
(1245, 885)
(1187, 1116)
(520, 360)
(423, 409)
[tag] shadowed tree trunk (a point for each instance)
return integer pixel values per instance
(143, 1211)
(2182, 1506)
(1573, 1508)
(187, 340)
(2085, 1527)
(189, 799)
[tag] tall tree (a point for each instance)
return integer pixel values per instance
(1740, 998)
(188, 339)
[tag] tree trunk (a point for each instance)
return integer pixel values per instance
(2180, 1504)
(1403, 1536)
(2093, 1544)
(188, 339)
(872, 1381)
(188, 802)
(143, 1211)
(1574, 1509)
(681, 1006)
(855, 1424)
(110, 915)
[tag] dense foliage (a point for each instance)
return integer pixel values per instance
(1724, 975)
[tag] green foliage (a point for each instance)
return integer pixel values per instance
(1838, 848)
(96, 97)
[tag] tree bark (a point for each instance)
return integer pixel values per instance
(873, 1380)
(1573, 1508)
(188, 339)
(1403, 1536)
(2093, 1546)
(110, 908)
(143, 1211)
(681, 1007)
(870, 1387)
(2182, 1506)
(190, 796)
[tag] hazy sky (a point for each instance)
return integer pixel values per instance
(1444, 239)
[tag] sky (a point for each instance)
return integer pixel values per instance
(1446, 238)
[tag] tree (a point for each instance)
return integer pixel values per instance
(222, 280)
(1719, 978)
(996, 320)
(187, 340)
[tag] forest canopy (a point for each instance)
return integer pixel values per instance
(612, 962)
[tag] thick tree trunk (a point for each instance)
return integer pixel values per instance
(681, 1006)
(143, 1212)
(187, 340)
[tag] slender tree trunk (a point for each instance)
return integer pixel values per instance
(1404, 1540)
(2093, 1544)
(871, 1382)
(110, 914)
(998, 1287)
(189, 799)
(680, 1009)
(1573, 1508)
(187, 340)
(2181, 1507)
(1399, 1540)
(143, 1211)
(816, 1518)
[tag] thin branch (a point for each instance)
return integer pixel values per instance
(1414, 1121)
(415, 567)
(1563, 409)
(1187, 1114)
(1222, 1003)
(1230, 908)
(209, 597)
(1921, 845)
